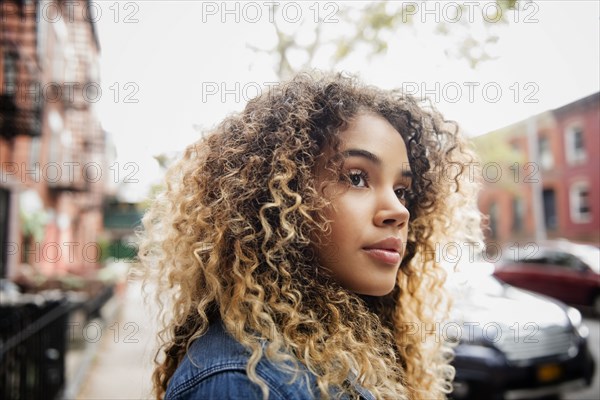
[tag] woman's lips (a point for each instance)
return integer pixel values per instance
(384, 255)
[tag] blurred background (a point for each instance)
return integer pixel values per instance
(98, 98)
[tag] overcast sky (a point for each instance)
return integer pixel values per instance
(165, 65)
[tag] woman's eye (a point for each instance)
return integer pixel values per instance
(401, 193)
(358, 178)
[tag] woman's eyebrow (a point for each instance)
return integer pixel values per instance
(362, 153)
(405, 172)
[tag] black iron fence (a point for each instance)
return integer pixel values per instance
(33, 343)
(32, 349)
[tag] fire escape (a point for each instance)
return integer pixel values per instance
(34, 319)
(20, 107)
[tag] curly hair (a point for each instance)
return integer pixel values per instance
(231, 237)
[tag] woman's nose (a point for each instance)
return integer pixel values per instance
(391, 211)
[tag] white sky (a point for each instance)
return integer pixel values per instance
(176, 50)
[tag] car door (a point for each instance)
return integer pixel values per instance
(562, 277)
(524, 269)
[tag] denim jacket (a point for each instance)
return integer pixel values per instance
(215, 368)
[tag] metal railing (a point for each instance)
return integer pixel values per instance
(32, 349)
(33, 342)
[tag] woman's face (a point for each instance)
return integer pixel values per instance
(370, 221)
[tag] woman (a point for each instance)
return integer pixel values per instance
(294, 248)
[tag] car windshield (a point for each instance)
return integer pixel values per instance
(557, 253)
(475, 277)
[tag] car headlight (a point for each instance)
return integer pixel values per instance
(577, 322)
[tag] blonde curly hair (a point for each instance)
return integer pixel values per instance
(230, 239)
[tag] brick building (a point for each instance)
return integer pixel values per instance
(52, 147)
(553, 169)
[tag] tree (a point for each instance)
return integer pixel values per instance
(371, 24)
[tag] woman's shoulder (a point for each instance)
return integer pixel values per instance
(215, 368)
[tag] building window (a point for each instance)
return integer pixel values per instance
(42, 32)
(545, 153)
(4, 208)
(518, 214)
(34, 151)
(575, 146)
(549, 200)
(515, 146)
(579, 202)
(58, 67)
(55, 121)
(9, 85)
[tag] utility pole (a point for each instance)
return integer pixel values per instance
(537, 187)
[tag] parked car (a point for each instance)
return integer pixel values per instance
(561, 269)
(513, 343)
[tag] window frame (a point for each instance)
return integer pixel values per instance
(575, 202)
(574, 155)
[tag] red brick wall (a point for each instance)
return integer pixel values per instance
(553, 125)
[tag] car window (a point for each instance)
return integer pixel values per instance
(565, 255)
(564, 260)
(540, 256)
(539, 259)
(528, 254)
(590, 255)
(550, 258)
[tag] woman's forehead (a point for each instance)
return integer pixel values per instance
(370, 130)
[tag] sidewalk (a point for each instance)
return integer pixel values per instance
(121, 366)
